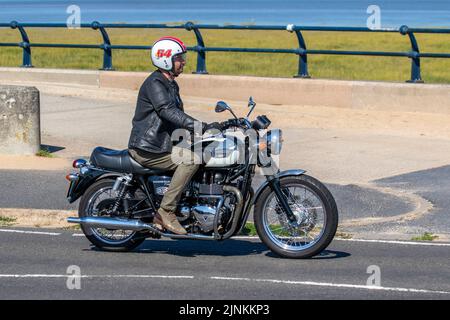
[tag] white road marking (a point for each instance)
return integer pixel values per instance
(414, 243)
(147, 276)
(93, 276)
(34, 276)
(275, 281)
(336, 285)
(30, 232)
(399, 242)
(341, 239)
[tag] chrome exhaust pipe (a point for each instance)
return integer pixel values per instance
(237, 210)
(111, 223)
(129, 224)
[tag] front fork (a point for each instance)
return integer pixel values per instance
(274, 183)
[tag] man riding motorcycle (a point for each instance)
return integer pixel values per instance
(159, 111)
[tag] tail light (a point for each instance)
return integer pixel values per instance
(72, 177)
(79, 163)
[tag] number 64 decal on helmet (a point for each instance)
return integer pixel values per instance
(164, 53)
(164, 50)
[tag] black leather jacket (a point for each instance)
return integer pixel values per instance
(159, 111)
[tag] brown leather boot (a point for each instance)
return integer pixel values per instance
(169, 221)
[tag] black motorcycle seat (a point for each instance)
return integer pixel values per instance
(120, 161)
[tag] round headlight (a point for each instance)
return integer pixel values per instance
(275, 141)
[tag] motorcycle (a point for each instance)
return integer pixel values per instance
(294, 214)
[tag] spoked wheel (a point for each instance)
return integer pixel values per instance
(315, 212)
(98, 201)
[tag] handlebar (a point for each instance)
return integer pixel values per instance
(239, 122)
(261, 122)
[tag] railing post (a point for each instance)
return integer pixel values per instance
(201, 54)
(414, 55)
(106, 46)
(302, 55)
(25, 45)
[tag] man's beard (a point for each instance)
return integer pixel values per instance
(176, 74)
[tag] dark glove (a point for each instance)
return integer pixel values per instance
(212, 125)
(231, 123)
(234, 122)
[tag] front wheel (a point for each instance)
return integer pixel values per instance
(315, 213)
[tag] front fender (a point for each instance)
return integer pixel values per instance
(281, 174)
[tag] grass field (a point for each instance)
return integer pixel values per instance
(255, 64)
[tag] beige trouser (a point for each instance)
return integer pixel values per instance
(184, 171)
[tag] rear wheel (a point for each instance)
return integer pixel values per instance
(98, 201)
(315, 213)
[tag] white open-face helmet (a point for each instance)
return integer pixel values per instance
(164, 50)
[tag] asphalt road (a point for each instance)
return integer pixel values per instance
(35, 266)
(433, 185)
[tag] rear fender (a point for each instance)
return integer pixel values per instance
(78, 187)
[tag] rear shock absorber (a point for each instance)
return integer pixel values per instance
(120, 186)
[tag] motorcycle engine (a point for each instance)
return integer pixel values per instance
(205, 215)
(209, 201)
(206, 210)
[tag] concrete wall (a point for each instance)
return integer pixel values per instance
(360, 95)
(19, 120)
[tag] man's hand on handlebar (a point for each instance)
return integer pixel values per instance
(222, 125)
(213, 125)
(232, 123)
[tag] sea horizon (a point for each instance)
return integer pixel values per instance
(393, 13)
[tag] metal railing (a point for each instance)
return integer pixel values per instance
(414, 54)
